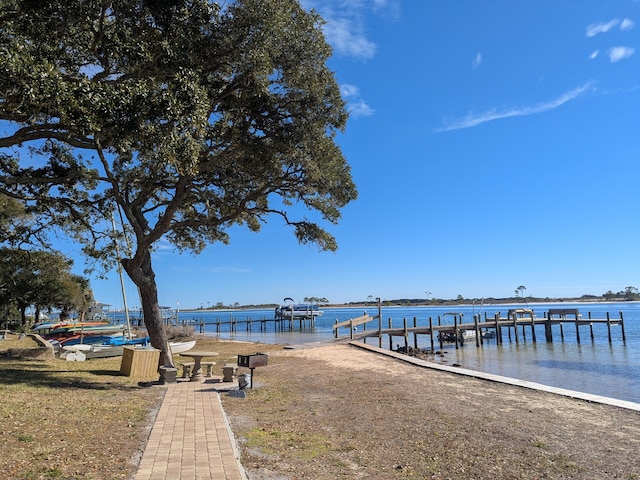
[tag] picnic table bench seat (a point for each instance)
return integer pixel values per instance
(187, 368)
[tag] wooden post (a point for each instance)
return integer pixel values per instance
(548, 333)
(590, 326)
(415, 335)
(406, 336)
(475, 321)
(455, 329)
(515, 326)
(498, 331)
(390, 336)
(624, 339)
(609, 327)
(335, 330)
(533, 328)
(351, 329)
(364, 329)
(431, 334)
(379, 330)
(577, 329)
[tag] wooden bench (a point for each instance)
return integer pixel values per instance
(187, 368)
(229, 371)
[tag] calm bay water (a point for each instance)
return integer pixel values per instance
(597, 367)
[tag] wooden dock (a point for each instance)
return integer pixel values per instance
(517, 322)
(234, 324)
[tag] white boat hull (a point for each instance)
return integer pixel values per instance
(298, 313)
(105, 351)
(180, 347)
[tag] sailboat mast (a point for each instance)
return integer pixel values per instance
(124, 294)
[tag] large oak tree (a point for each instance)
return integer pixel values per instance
(184, 117)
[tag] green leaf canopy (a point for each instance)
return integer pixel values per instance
(188, 116)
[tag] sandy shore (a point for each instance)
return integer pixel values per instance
(337, 411)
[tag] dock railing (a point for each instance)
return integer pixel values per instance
(492, 328)
(354, 323)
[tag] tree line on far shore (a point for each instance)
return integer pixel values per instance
(629, 294)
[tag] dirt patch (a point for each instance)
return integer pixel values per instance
(339, 412)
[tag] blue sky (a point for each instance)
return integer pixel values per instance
(494, 144)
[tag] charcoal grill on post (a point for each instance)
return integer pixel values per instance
(252, 361)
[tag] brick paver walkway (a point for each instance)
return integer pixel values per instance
(190, 439)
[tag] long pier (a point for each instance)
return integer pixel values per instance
(248, 324)
(480, 329)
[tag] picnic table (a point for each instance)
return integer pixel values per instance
(198, 356)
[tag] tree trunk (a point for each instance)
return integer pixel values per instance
(23, 314)
(145, 280)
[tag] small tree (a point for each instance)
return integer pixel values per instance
(42, 280)
(630, 293)
(75, 295)
(316, 300)
(182, 118)
(520, 291)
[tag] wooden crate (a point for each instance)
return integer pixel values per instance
(140, 362)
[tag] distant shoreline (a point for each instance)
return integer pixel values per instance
(448, 303)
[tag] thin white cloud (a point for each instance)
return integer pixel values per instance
(345, 28)
(477, 60)
(348, 90)
(355, 104)
(473, 120)
(347, 39)
(596, 28)
(219, 269)
(387, 8)
(360, 108)
(594, 54)
(620, 53)
(627, 24)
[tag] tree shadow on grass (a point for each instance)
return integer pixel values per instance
(42, 375)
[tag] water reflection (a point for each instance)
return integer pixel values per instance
(607, 370)
(593, 366)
